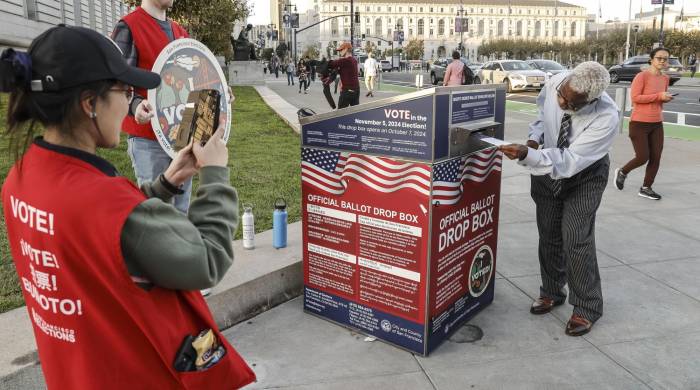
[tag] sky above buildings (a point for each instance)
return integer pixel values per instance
(610, 9)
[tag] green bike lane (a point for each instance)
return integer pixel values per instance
(685, 132)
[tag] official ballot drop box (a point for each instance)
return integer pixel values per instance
(400, 213)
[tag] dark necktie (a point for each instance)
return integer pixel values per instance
(562, 142)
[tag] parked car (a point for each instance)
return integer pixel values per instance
(438, 68)
(628, 69)
(517, 75)
(475, 66)
(549, 67)
(385, 65)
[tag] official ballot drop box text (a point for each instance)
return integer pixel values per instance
(400, 213)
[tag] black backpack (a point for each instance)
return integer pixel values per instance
(322, 68)
(467, 75)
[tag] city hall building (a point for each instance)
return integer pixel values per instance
(434, 22)
(22, 20)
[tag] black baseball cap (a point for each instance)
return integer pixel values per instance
(68, 56)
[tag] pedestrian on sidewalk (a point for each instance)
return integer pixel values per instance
(311, 66)
(346, 66)
(141, 35)
(646, 130)
(122, 265)
(291, 70)
(693, 64)
(275, 65)
(576, 127)
(454, 72)
(303, 74)
(370, 70)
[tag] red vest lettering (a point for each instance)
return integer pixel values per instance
(149, 40)
(94, 328)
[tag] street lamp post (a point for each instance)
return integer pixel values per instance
(352, 27)
(634, 47)
(460, 13)
(289, 26)
(398, 28)
(661, 30)
(629, 22)
(271, 30)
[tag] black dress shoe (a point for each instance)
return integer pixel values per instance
(578, 326)
(544, 305)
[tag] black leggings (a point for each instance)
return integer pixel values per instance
(303, 83)
(327, 94)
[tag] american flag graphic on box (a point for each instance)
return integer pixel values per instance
(329, 171)
(449, 175)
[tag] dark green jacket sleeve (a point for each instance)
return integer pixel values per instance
(169, 249)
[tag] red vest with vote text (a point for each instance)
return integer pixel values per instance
(95, 328)
(149, 40)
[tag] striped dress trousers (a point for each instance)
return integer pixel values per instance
(566, 211)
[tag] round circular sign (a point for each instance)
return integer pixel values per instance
(481, 271)
(185, 65)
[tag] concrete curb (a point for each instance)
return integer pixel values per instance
(281, 107)
(258, 280)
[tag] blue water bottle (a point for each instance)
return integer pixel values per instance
(279, 224)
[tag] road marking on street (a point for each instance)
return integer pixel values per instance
(695, 104)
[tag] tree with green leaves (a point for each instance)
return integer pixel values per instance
(311, 51)
(267, 54)
(208, 21)
(330, 49)
(282, 50)
(370, 47)
(415, 49)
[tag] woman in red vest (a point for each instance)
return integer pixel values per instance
(111, 273)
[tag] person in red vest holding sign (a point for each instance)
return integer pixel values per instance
(141, 36)
(110, 273)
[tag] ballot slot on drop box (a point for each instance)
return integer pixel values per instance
(466, 139)
(400, 205)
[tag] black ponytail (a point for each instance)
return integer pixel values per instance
(27, 109)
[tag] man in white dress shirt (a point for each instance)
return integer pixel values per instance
(370, 70)
(576, 126)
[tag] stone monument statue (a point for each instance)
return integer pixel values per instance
(243, 49)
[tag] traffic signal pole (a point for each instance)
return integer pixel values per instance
(661, 31)
(296, 31)
(352, 27)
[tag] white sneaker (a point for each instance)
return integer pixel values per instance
(205, 292)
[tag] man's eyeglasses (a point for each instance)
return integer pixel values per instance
(661, 59)
(128, 91)
(571, 105)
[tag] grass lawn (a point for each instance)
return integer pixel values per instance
(263, 156)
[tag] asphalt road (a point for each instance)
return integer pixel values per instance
(685, 103)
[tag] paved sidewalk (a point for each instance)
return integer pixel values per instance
(647, 339)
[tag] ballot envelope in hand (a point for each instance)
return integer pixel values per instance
(200, 118)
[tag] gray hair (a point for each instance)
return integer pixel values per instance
(590, 78)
